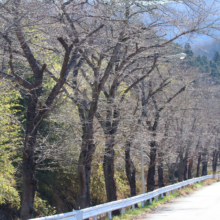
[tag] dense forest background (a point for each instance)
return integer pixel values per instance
(89, 89)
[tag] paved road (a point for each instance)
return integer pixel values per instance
(203, 204)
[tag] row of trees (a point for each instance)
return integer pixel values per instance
(98, 80)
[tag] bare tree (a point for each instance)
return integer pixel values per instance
(21, 47)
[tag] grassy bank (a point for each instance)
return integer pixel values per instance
(139, 211)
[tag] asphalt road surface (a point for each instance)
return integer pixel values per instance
(203, 204)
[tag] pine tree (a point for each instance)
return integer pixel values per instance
(216, 58)
(188, 50)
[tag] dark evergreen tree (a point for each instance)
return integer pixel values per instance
(188, 50)
(216, 58)
(214, 69)
(199, 61)
(205, 60)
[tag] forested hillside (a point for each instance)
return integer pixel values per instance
(97, 99)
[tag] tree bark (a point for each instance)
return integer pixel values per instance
(160, 170)
(28, 166)
(181, 167)
(204, 168)
(88, 147)
(185, 172)
(215, 161)
(84, 166)
(204, 162)
(185, 160)
(130, 170)
(108, 167)
(151, 169)
(198, 165)
(190, 168)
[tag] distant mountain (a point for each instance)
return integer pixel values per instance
(207, 48)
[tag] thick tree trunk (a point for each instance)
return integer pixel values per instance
(130, 170)
(28, 166)
(204, 162)
(151, 169)
(190, 168)
(29, 185)
(215, 161)
(185, 161)
(204, 168)
(185, 171)
(84, 166)
(198, 165)
(181, 168)
(108, 167)
(160, 176)
(160, 170)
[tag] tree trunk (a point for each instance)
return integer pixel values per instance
(198, 165)
(215, 161)
(84, 165)
(29, 185)
(160, 170)
(151, 169)
(204, 168)
(190, 169)
(108, 167)
(185, 161)
(185, 171)
(204, 161)
(181, 168)
(28, 166)
(130, 170)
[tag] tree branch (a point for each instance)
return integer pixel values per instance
(27, 52)
(90, 34)
(66, 57)
(139, 80)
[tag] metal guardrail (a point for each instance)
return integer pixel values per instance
(74, 215)
(123, 203)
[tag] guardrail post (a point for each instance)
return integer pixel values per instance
(123, 210)
(79, 215)
(151, 201)
(133, 207)
(95, 218)
(162, 195)
(172, 191)
(168, 193)
(110, 215)
(142, 204)
(157, 198)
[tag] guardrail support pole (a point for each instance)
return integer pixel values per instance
(157, 198)
(142, 204)
(95, 218)
(162, 195)
(168, 193)
(110, 215)
(133, 207)
(123, 210)
(150, 201)
(79, 215)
